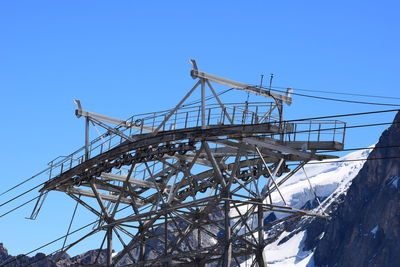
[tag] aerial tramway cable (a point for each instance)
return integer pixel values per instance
(70, 223)
(305, 131)
(338, 93)
(340, 100)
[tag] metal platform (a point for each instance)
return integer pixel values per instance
(190, 186)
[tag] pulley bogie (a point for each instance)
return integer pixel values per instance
(144, 154)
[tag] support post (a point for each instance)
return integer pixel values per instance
(260, 249)
(203, 103)
(87, 138)
(142, 240)
(165, 263)
(228, 244)
(109, 246)
(260, 223)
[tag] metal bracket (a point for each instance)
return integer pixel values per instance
(78, 107)
(38, 206)
(241, 86)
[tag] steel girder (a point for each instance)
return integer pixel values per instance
(195, 194)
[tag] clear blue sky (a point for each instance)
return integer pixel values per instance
(125, 57)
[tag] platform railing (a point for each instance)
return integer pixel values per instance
(187, 117)
(315, 130)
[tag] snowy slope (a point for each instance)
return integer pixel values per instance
(329, 181)
(328, 178)
(289, 253)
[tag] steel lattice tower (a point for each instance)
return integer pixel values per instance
(198, 181)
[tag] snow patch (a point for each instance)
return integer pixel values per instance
(289, 253)
(374, 230)
(321, 235)
(329, 179)
(394, 182)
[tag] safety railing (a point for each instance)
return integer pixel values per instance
(185, 117)
(315, 130)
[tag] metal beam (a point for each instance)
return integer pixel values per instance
(112, 198)
(216, 168)
(176, 108)
(281, 148)
(315, 145)
(112, 130)
(241, 86)
(81, 113)
(124, 123)
(109, 246)
(272, 175)
(121, 178)
(219, 102)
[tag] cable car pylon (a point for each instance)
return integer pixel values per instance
(191, 186)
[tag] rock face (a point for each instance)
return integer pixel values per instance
(89, 257)
(365, 227)
(41, 260)
(3, 253)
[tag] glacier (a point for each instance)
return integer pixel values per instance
(330, 179)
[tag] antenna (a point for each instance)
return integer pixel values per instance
(261, 82)
(271, 77)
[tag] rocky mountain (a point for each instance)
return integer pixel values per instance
(42, 260)
(365, 228)
(364, 208)
(38, 260)
(330, 182)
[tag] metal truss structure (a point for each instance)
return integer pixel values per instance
(191, 186)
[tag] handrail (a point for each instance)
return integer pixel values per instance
(186, 117)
